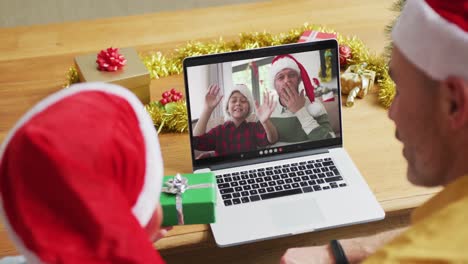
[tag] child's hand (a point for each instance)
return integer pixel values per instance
(264, 111)
(212, 97)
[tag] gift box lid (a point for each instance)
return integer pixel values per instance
(202, 194)
(133, 74)
(198, 205)
(311, 35)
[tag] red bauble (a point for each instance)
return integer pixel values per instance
(345, 54)
(163, 101)
(171, 95)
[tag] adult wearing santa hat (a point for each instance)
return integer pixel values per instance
(430, 68)
(80, 177)
(297, 118)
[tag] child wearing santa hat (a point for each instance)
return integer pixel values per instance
(236, 134)
(80, 177)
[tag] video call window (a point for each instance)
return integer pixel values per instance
(256, 75)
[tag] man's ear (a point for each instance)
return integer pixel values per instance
(455, 99)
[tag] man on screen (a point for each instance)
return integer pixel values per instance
(297, 118)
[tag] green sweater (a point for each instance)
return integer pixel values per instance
(307, 124)
(290, 129)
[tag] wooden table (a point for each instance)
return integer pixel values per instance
(34, 60)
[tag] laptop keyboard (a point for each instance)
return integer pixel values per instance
(278, 181)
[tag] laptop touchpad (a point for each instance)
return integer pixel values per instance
(297, 213)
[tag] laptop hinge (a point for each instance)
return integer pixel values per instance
(266, 159)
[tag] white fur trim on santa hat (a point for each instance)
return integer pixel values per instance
(245, 91)
(148, 199)
(437, 47)
(280, 65)
(316, 108)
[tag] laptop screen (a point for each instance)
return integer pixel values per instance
(263, 103)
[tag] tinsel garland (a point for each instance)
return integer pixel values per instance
(169, 118)
(386, 85)
(396, 7)
(71, 76)
(160, 65)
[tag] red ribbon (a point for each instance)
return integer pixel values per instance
(110, 60)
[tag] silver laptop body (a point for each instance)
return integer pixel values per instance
(260, 195)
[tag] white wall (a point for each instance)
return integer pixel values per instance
(198, 82)
(311, 62)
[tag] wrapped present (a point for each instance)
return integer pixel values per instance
(189, 199)
(133, 76)
(311, 35)
(356, 81)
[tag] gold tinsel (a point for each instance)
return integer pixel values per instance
(169, 118)
(160, 65)
(387, 87)
(71, 76)
(386, 91)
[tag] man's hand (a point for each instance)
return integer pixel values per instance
(292, 99)
(356, 249)
(318, 255)
(264, 111)
(212, 97)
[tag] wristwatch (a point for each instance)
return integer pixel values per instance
(338, 252)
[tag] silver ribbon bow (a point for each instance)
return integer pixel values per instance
(178, 185)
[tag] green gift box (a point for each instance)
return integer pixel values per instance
(196, 195)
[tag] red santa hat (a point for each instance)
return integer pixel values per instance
(245, 91)
(287, 61)
(433, 35)
(80, 176)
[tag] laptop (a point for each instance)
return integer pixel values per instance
(285, 188)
